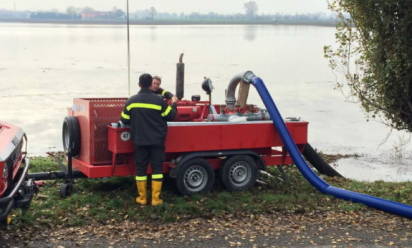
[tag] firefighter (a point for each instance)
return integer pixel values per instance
(147, 114)
(156, 88)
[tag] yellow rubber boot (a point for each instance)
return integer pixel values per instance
(142, 192)
(156, 190)
(9, 219)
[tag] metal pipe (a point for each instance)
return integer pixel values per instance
(128, 46)
(231, 89)
(258, 116)
(52, 175)
(180, 78)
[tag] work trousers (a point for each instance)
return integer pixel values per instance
(155, 155)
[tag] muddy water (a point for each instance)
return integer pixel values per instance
(43, 67)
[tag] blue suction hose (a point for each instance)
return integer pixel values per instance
(317, 182)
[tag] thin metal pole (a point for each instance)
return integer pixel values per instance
(128, 47)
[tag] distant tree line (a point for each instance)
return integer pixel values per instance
(151, 14)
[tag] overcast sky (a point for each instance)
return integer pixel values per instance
(177, 6)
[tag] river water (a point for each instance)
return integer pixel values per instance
(44, 66)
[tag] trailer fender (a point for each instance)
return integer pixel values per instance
(209, 154)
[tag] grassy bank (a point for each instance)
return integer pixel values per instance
(112, 199)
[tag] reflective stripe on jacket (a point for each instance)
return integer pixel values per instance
(164, 93)
(147, 114)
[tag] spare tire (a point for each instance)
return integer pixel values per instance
(71, 136)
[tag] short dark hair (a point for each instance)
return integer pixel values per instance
(157, 78)
(145, 80)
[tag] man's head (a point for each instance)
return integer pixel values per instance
(156, 83)
(145, 80)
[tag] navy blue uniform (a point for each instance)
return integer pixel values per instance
(147, 114)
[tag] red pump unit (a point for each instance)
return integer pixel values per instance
(235, 139)
(200, 131)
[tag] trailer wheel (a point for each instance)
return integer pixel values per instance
(71, 136)
(239, 173)
(195, 176)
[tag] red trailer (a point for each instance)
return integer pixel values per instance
(204, 139)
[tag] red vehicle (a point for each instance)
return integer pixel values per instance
(231, 140)
(16, 190)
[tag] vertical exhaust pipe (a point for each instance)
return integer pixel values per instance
(180, 78)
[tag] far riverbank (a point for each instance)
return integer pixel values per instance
(167, 22)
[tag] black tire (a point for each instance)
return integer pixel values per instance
(71, 136)
(9, 179)
(66, 190)
(238, 173)
(195, 176)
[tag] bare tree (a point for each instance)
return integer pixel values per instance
(153, 12)
(71, 10)
(251, 8)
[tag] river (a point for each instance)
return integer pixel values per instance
(44, 66)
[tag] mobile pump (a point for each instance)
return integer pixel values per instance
(197, 145)
(204, 138)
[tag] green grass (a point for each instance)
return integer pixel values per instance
(103, 200)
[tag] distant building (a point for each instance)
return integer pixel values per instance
(9, 14)
(93, 14)
(90, 14)
(53, 16)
